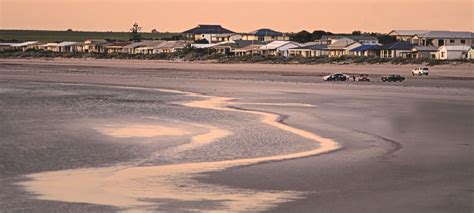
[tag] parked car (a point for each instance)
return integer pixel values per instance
(393, 78)
(336, 77)
(420, 71)
(363, 77)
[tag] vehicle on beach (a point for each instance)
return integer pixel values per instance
(420, 71)
(363, 77)
(336, 77)
(393, 78)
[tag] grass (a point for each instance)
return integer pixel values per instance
(57, 36)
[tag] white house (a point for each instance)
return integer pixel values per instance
(278, 48)
(470, 54)
(453, 52)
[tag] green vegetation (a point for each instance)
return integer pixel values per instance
(69, 35)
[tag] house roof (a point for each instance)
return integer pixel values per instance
(67, 43)
(118, 44)
(266, 32)
(398, 45)
(425, 48)
(24, 44)
(277, 44)
(207, 29)
(353, 37)
(145, 44)
(341, 43)
(448, 34)
(408, 32)
(364, 48)
(312, 47)
(172, 44)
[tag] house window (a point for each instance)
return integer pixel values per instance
(451, 41)
(442, 54)
(463, 41)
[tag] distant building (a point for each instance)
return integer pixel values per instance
(94, 45)
(211, 33)
(309, 51)
(170, 47)
(395, 49)
(342, 47)
(423, 52)
(115, 47)
(434, 38)
(458, 52)
(362, 39)
(366, 51)
(278, 48)
(265, 35)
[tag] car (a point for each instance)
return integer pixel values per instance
(336, 77)
(393, 78)
(363, 77)
(420, 71)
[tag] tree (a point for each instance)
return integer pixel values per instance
(302, 37)
(154, 31)
(135, 33)
(356, 33)
(386, 39)
(318, 34)
(69, 30)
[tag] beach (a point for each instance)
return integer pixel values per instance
(115, 135)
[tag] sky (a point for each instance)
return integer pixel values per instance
(238, 15)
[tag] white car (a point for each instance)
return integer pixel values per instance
(420, 71)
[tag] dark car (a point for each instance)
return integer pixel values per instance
(393, 78)
(336, 77)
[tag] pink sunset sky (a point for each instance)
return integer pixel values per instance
(238, 15)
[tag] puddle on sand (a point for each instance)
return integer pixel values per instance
(140, 188)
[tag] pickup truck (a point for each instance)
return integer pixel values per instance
(420, 71)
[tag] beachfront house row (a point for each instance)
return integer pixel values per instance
(309, 50)
(115, 47)
(171, 47)
(342, 47)
(434, 38)
(395, 49)
(210, 33)
(449, 52)
(277, 48)
(265, 35)
(64, 47)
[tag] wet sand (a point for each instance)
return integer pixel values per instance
(405, 146)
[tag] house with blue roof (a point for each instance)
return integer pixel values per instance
(265, 35)
(366, 50)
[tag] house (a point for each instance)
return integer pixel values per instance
(26, 45)
(147, 47)
(395, 49)
(94, 45)
(143, 47)
(434, 38)
(247, 47)
(341, 47)
(422, 52)
(170, 47)
(470, 54)
(362, 39)
(407, 35)
(210, 33)
(265, 35)
(6, 46)
(365, 50)
(308, 51)
(277, 48)
(457, 52)
(115, 47)
(53, 47)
